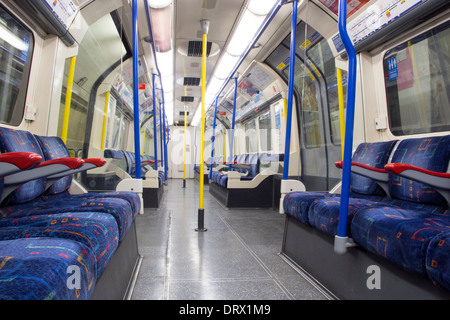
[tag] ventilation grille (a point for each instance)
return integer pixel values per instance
(195, 48)
(187, 99)
(190, 81)
(182, 113)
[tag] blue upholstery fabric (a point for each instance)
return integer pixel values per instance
(323, 214)
(115, 154)
(402, 236)
(297, 204)
(54, 148)
(437, 260)
(22, 141)
(375, 155)
(98, 231)
(37, 269)
(120, 209)
(431, 153)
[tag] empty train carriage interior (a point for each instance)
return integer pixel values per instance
(224, 150)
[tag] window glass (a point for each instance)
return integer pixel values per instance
(265, 129)
(417, 84)
(251, 137)
(100, 48)
(16, 47)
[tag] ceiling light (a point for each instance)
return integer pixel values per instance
(225, 65)
(244, 33)
(158, 4)
(261, 7)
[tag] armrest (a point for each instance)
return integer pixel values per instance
(87, 164)
(435, 179)
(16, 161)
(44, 169)
(242, 166)
(376, 174)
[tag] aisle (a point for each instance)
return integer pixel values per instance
(237, 258)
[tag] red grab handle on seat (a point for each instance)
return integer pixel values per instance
(72, 163)
(398, 168)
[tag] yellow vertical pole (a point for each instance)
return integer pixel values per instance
(65, 128)
(184, 155)
(341, 109)
(105, 120)
(201, 210)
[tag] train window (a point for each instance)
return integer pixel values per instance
(417, 85)
(251, 137)
(265, 129)
(100, 48)
(16, 43)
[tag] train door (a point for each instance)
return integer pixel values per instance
(317, 105)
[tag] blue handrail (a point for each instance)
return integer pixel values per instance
(137, 143)
(161, 133)
(155, 137)
(348, 144)
(233, 124)
(213, 139)
(166, 161)
(287, 146)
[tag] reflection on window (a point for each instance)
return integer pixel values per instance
(265, 129)
(417, 84)
(16, 46)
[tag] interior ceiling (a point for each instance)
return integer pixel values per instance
(188, 14)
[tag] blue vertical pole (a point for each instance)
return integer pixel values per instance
(155, 136)
(213, 139)
(166, 161)
(233, 124)
(287, 143)
(161, 133)
(348, 144)
(137, 146)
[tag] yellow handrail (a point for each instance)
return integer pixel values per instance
(105, 120)
(65, 128)
(202, 149)
(341, 109)
(185, 134)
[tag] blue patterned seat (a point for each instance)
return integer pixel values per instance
(40, 269)
(28, 199)
(299, 204)
(96, 230)
(403, 229)
(54, 148)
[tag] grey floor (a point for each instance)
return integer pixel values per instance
(237, 258)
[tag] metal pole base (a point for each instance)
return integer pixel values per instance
(201, 220)
(184, 183)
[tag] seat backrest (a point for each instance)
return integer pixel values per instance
(253, 161)
(376, 155)
(432, 153)
(22, 141)
(115, 154)
(54, 148)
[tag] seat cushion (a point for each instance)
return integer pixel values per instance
(437, 260)
(323, 214)
(120, 209)
(40, 269)
(402, 236)
(297, 204)
(132, 198)
(98, 231)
